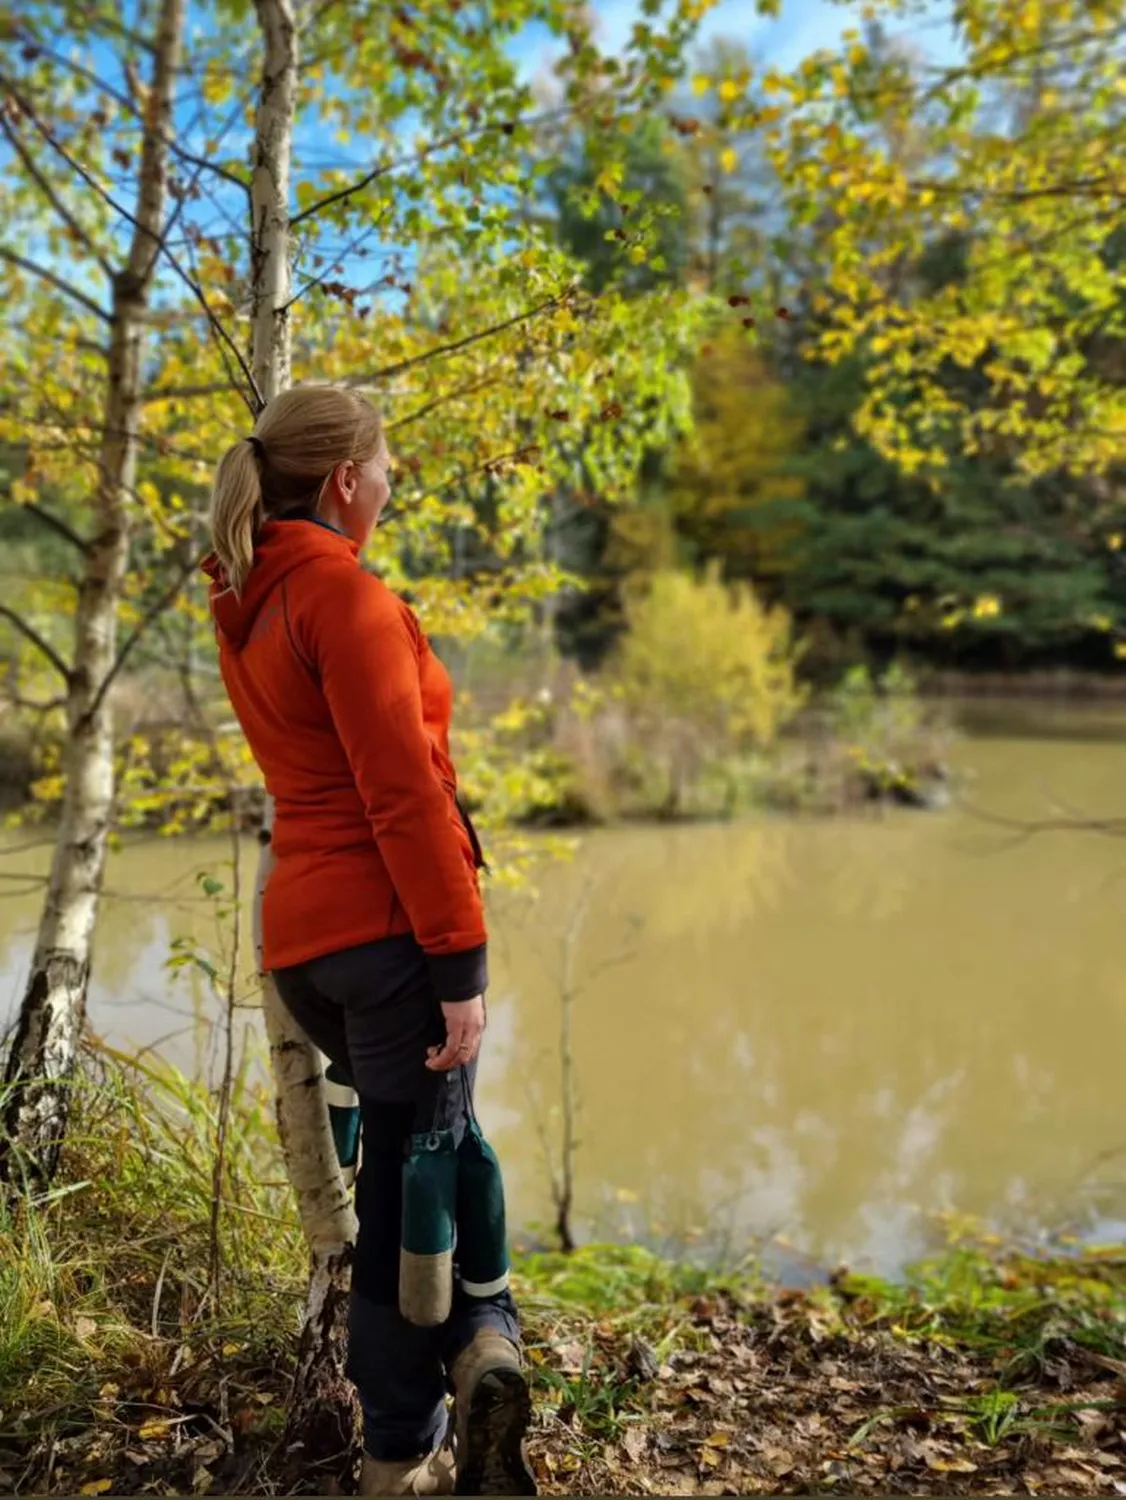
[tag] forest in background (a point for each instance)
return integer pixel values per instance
(848, 340)
(720, 381)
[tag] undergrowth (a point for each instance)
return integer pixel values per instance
(124, 1364)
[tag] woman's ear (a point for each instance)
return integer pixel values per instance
(345, 476)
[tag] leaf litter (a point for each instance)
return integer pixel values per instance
(739, 1390)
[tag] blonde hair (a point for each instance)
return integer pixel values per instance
(281, 469)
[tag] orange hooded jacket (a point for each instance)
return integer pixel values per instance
(347, 712)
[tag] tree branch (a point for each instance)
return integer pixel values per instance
(41, 706)
(189, 392)
(332, 260)
(471, 389)
(384, 168)
(73, 163)
(43, 646)
(154, 610)
(52, 197)
(388, 371)
(254, 400)
(1094, 187)
(116, 27)
(53, 523)
(125, 103)
(160, 244)
(1023, 829)
(57, 282)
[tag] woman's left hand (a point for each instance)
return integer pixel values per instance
(465, 1025)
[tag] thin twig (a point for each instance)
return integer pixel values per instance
(386, 373)
(159, 1288)
(386, 167)
(53, 523)
(332, 260)
(189, 392)
(155, 609)
(52, 197)
(31, 634)
(254, 400)
(1029, 828)
(1095, 187)
(124, 102)
(419, 412)
(58, 283)
(224, 1108)
(161, 247)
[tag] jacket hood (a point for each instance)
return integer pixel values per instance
(280, 549)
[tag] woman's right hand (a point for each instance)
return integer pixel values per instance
(465, 1026)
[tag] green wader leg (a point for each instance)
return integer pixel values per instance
(426, 1257)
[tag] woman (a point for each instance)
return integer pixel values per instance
(372, 922)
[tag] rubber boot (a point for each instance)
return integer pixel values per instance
(492, 1409)
(431, 1475)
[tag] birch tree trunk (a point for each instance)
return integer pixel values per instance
(321, 1422)
(41, 1061)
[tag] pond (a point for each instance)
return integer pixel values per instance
(813, 1033)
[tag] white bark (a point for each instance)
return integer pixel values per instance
(323, 1201)
(53, 1011)
(319, 1399)
(269, 197)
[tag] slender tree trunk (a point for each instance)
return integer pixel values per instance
(321, 1422)
(269, 193)
(41, 1062)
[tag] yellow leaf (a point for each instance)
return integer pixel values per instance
(156, 1427)
(729, 159)
(729, 91)
(96, 1487)
(950, 1465)
(700, 84)
(216, 88)
(717, 1440)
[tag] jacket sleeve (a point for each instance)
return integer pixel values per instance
(365, 647)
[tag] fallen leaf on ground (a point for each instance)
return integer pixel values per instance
(156, 1427)
(571, 1357)
(779, 1462)
(635, 1443)
(942, 1465)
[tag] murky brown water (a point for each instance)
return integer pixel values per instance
(823, 1030)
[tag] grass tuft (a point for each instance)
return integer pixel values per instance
(123, 1368)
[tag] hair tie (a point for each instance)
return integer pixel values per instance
(258, 445)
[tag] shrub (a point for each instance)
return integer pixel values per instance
(705, 670)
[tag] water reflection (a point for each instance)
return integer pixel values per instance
(822, 1030)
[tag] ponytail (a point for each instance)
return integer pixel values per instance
(298, 440)
(237, 511)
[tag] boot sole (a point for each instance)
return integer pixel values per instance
(500, 1410)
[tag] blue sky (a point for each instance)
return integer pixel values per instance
(802, 27)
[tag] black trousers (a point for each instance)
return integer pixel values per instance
(373, 1012)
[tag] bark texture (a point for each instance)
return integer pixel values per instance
(321, 1428)
(40, 1064)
